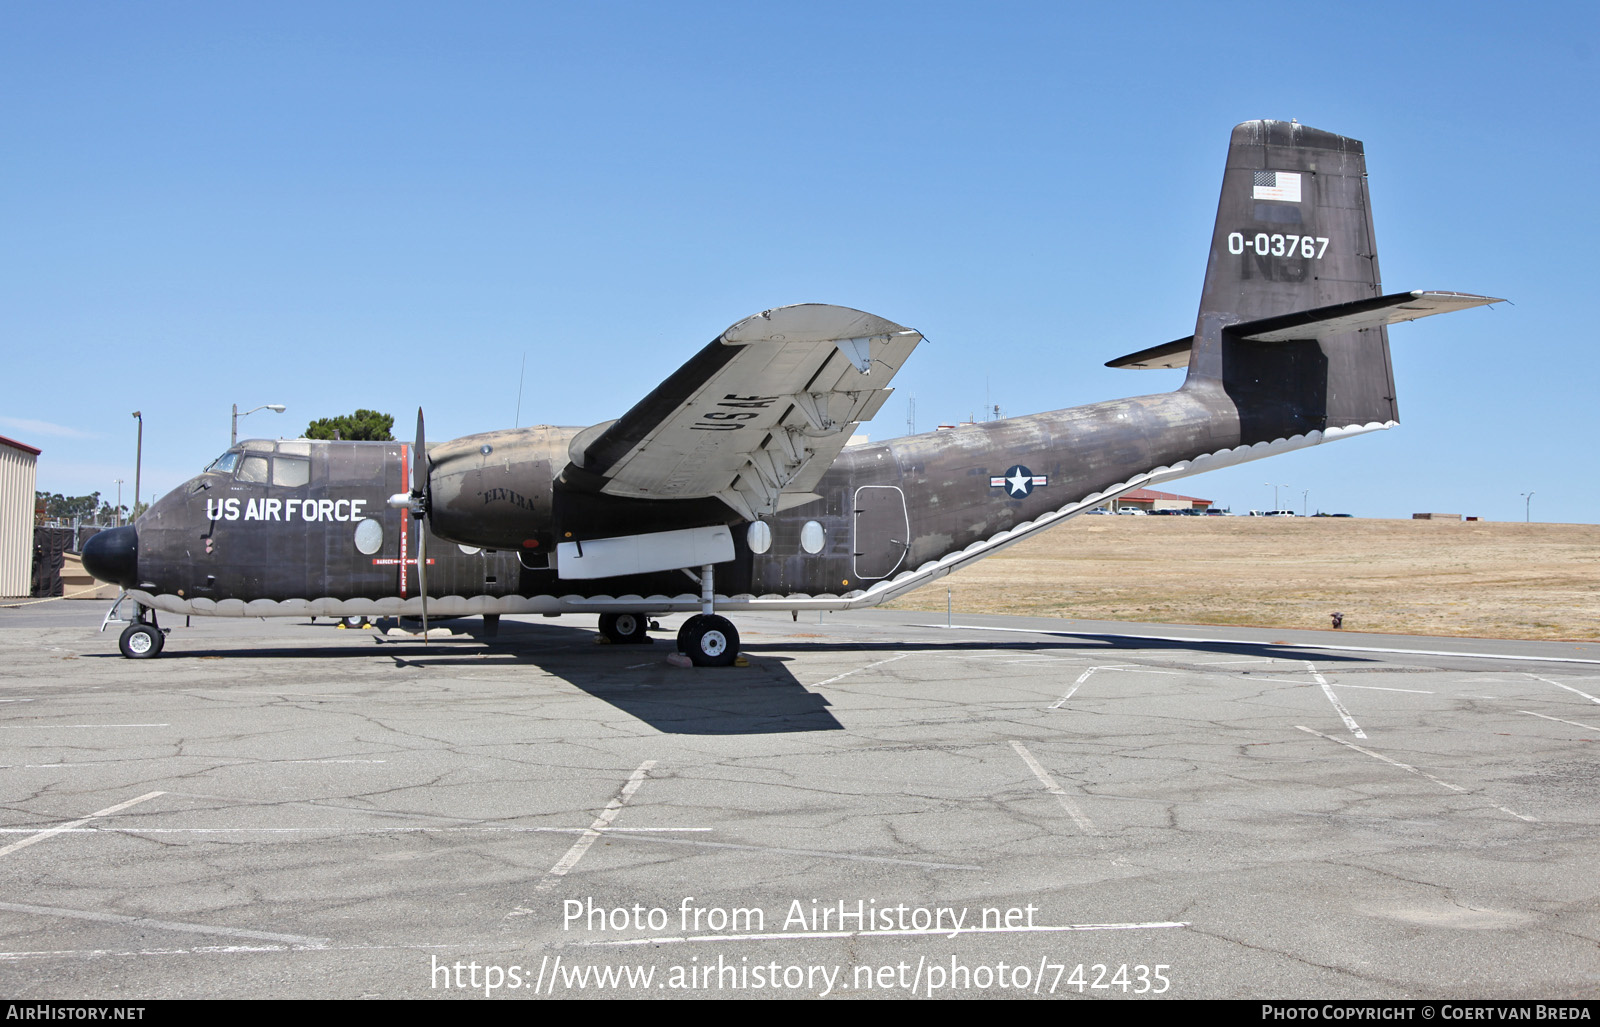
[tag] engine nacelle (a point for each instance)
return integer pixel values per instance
(493, 490)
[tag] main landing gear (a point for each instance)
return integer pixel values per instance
(707, 639)
(625, 628)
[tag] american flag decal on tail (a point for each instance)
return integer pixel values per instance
(1276, 185)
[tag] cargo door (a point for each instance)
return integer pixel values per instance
(882, 531)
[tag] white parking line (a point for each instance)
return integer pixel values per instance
(1344, 714)
(296, 940)
(601, 823)
(1269, 645)
(897, 933)
(1085, 676)
(42, 835)
(1558, 720)
(1410, 769)
(1569, 688)
(218, 760)
(222, 950)
(1130, 668)
(24, 727)
(857, 670)
(850, 857)
(359, 830)
(1084, 823)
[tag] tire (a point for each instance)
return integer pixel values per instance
(709, 641)
(624, 628)
(141, 641)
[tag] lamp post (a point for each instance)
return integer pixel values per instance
(1527, 507)
(1305, 502)
(118, 512)
(274, 407)
(138, 459)
(1275, 489)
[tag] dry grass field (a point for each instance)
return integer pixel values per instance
(1490, 580)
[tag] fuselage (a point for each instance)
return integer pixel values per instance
(301, 527)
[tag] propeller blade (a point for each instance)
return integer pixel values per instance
(422, 575)
(419, 461)
(418, 506)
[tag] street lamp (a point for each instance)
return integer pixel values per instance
(1527, 507)
(274, 407)
(138, 458)
(1275, 489)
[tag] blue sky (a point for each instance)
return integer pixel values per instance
(388, 205)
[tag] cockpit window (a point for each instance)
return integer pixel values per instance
(224, 463)
(252, 468)
(290, 471)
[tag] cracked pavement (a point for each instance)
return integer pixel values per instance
(285, 809)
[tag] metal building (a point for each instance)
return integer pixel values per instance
(17, 474)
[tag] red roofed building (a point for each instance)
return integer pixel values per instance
(1149, 500)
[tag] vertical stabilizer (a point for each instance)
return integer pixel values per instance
(1293, 233)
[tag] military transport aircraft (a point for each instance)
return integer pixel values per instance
(730, 487)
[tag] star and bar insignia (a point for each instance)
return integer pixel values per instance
(1019, 481)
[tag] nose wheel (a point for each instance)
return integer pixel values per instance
(141, 640)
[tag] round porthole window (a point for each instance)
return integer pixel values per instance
(811, 537)
(369, 536)
(759, 537)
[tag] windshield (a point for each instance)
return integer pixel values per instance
(224, 463)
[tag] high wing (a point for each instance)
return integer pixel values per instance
(756, 417)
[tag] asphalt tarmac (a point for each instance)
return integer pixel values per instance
(878, 805)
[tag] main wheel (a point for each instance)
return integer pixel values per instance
(624, 628)
(709, 641)
(141, 641)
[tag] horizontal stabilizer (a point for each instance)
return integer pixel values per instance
(1168, 354)
(1356, 316)
(1318, 323)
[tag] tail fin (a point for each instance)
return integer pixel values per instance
(1293, 233)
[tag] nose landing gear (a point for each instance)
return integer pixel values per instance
(143, 639)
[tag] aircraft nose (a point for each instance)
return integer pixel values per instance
(113, 556)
